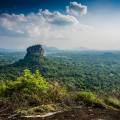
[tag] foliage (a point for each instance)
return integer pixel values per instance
(28, 89)
(60, 75)
(31, 90)
(89, 98)
(89, 71)
(9, 57)
(112, 101)
(57, 93)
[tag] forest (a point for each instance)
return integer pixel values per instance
(62, 80)
(94, 71)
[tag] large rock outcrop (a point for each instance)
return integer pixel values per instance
(35, 54)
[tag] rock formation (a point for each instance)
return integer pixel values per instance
(35, 54)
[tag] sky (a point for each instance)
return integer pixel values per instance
(65, 24)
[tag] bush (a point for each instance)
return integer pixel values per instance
(57, 93)
(2, 88)
(114, 102)
(89, 98)
(29, 89)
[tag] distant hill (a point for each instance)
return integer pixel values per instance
(5, 50)
(81, 49)
(11, 50)
(49, 50)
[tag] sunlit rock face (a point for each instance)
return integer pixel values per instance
(34, 54)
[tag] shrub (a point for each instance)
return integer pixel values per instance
(114, 102)
(2, 88)
(89, 98)
(28, 89)
(57, 93)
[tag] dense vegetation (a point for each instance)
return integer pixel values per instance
(89, 71)
(66, 79)
(31, 93)
(30, 90)
(7, 57)
(86, 72)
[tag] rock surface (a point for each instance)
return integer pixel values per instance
(35, 54)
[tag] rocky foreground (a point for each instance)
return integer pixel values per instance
(74, 114)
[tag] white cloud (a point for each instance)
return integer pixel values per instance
(62, 30)
(50, 28)
(36, 24)
(58, 18)
(76, 9)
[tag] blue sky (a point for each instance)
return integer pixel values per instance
(64, 24)
(26, 6)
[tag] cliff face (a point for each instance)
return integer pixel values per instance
(35, 54)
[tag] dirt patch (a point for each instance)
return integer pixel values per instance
(81, 114)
